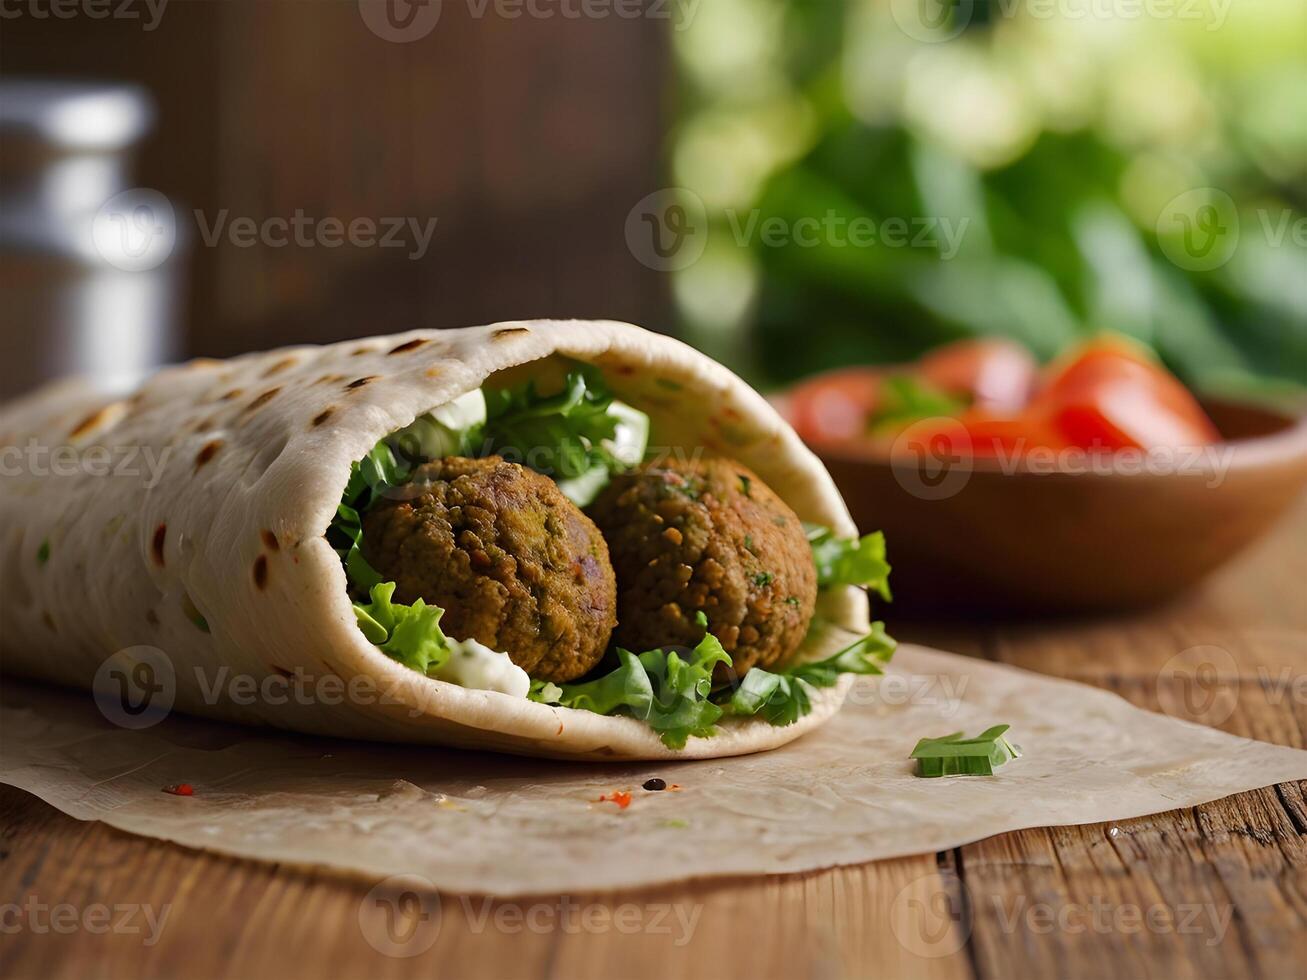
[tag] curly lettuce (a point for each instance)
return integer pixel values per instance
(675, 696)
(579, 437)
(409, 634)
(783, 697)
(369, 479)
(668, 692)
(850, 561)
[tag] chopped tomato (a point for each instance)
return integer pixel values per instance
(992, 373)
(1111, 395)
(835, 406)
(1107, 394)
(978, 434)
(1010, 435)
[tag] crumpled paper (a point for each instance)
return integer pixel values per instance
(504, 826)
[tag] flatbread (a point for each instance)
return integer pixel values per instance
(201, 552)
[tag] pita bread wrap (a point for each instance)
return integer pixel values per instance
(199, 531)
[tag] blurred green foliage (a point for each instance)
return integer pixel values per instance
(1058, 167)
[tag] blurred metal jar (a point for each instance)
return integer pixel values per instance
(90, 267)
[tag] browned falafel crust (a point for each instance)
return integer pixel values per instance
(707, 535)
(514, 564)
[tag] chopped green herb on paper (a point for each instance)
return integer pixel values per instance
(850, 561)
(956, 755)
(43, 552)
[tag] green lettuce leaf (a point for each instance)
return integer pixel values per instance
(660, 687)
(784, 697)
(850, 561)
(369, 479)
(409, 634)
(579, 437)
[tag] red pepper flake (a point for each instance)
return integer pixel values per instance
(620, 797)
(181, 789)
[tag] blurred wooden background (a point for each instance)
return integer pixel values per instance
(529, 140)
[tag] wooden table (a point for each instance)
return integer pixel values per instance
(1214, 891)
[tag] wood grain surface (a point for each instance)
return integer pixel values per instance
(1214, 891)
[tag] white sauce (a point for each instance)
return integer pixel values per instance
(475, 666)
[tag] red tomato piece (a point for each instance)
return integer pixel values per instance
(978, 434)
(1110, 395)
(992, 373)
(835, 406)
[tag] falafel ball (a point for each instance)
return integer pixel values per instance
(514, 564)
(707, 536)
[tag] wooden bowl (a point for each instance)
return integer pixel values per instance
(983, 536)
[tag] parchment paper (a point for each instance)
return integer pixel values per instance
(504, 826)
